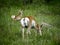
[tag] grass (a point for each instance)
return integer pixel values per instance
(10, 31)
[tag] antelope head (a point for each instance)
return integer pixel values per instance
(18, 16)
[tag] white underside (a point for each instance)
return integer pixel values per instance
(25, 22)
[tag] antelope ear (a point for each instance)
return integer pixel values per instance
(13, 16)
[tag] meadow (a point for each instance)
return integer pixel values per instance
(10, 31)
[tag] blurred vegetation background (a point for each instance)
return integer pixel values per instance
(43, 10)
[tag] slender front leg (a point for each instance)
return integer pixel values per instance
(29, 27)
(28, 30)
(23, 32)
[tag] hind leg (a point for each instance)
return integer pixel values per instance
(38, 28)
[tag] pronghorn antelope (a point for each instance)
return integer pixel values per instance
(27, 22)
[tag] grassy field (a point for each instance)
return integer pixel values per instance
(10, 31)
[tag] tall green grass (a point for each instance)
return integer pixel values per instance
(10, 31)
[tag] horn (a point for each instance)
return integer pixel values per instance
(20, 12)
